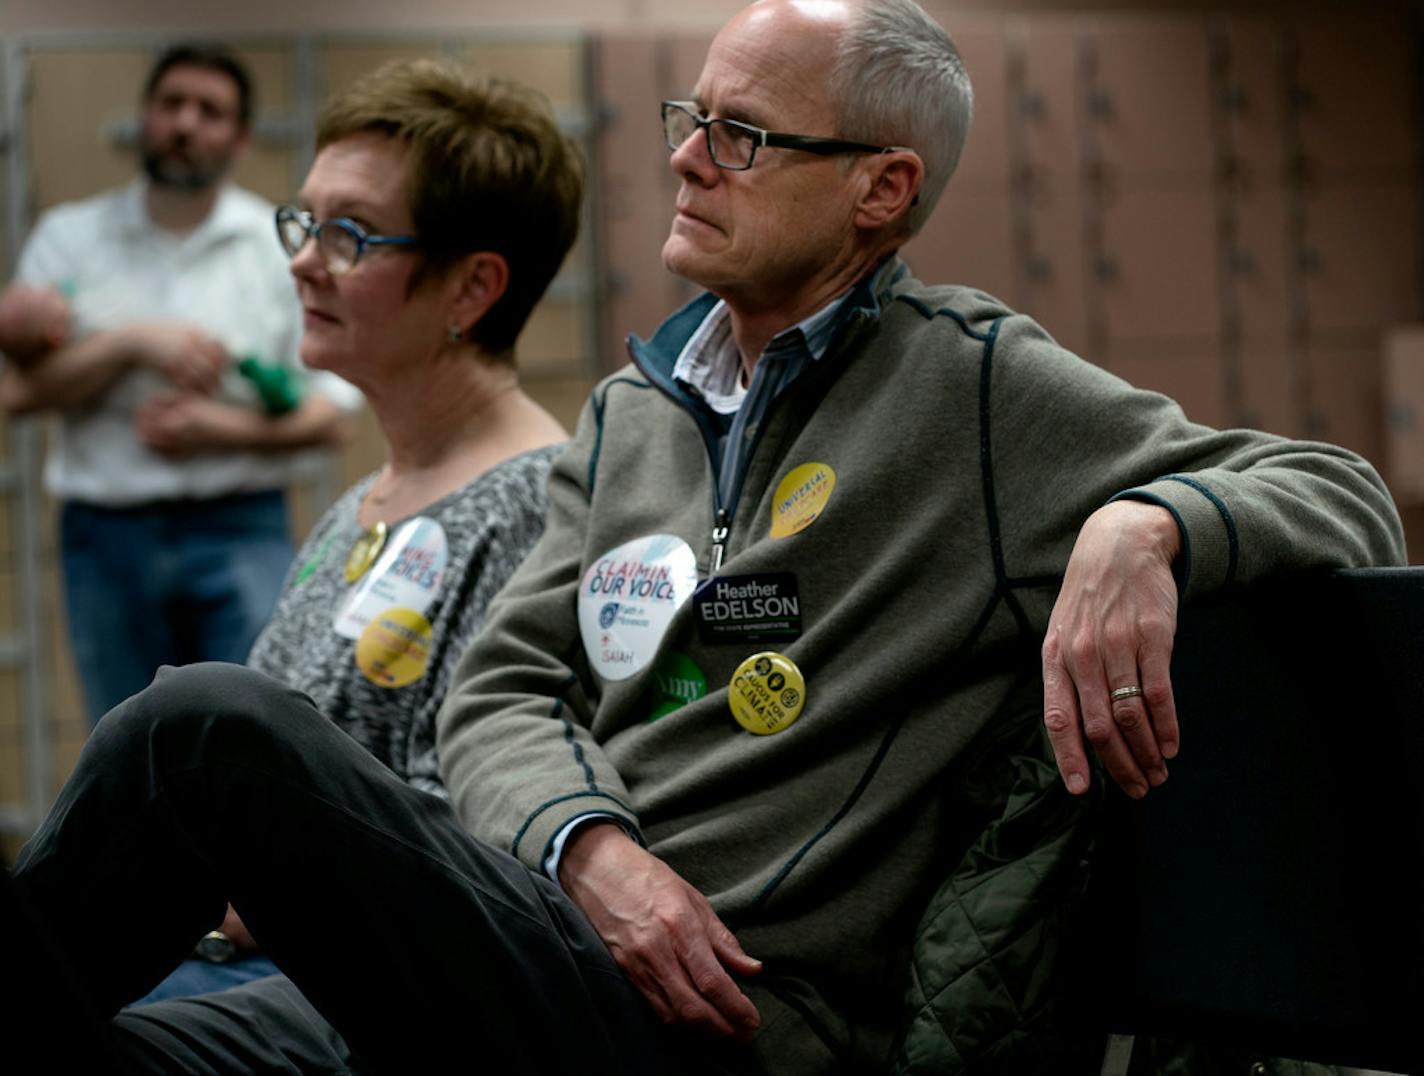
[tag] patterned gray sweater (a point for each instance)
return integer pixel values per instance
(489, 526)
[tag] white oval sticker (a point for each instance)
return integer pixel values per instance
(627, 600)
(407, 576)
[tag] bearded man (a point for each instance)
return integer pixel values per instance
(133, 312)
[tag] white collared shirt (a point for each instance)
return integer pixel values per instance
(711, 364)
(228, 277)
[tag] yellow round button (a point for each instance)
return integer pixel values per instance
(800, 498)
(394, 650)
(365, 551)
(767, 693)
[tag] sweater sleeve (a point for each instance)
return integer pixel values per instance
(515, 747)
(1068, 437)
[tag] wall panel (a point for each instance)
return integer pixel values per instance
(1150, 98)
(1347, 398)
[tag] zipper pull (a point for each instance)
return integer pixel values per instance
(720, 528)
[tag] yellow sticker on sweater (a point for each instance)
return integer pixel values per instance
(800, 498)
(394, 649)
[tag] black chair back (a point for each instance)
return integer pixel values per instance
(1271, 894)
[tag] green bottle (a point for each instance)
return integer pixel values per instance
(275, 387)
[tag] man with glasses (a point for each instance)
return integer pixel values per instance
(768, 686)
(159, 324)
(870, 501)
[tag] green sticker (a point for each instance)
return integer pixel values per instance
(678, 681)
(312, 565)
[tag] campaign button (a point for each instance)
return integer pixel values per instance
(677, 680)
(800, 498)
(394, 648)
(628, 598)
(365, 550)
(748, 608)
(760, 707)
(407, 575)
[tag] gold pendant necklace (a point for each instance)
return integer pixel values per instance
(365, 551)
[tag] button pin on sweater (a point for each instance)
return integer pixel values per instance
(767, 693)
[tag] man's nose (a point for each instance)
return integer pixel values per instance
(189, 113)
(693, 156)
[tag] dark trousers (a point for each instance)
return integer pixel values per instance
(424, 948)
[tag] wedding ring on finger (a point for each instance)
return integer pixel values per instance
(1130, 692)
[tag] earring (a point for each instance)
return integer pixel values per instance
(454, 334)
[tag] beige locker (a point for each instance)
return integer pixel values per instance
(680, 65)
(1346, 397)
(986, 153)
(1403, 388)
(1249, 91)
(1054, 288)
(267, 168)
(9, 602)
(968, 240)
(1193, 379)
(14, 788)
(1268, 389)
(1149, 102)
(1361, 256)
(78, 99)
(1257, 261)
(1358, 82)
(1050, 106)
(342, 63)
(637, 191)
(1160, 278)
(554, 68)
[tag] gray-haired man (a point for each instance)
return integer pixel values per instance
(770, 685)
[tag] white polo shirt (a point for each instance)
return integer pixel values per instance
(228, 277)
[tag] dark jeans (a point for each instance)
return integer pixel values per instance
(424, 948)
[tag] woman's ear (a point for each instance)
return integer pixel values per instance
(895, 178)
(479, 281)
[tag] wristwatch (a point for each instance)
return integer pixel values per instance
(215, 947)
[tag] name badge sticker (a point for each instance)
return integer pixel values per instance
(407, 576)
(800, 498)
(627, 599)
(748, 608)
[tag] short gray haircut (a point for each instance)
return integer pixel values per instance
(898, 80)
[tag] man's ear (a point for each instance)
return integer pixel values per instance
(895, 178)
(479, 280)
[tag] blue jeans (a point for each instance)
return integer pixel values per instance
(168, 583)
(195, 976)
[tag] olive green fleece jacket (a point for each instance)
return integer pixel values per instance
(967, 448)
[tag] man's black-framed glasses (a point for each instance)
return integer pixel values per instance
(340, 242)
(733, 144)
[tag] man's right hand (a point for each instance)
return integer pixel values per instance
(184, 354)
(661, 931)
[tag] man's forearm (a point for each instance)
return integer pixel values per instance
(207, 425)
(315, 423)
(69, 376)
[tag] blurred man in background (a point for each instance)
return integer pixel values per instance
(159, 323)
